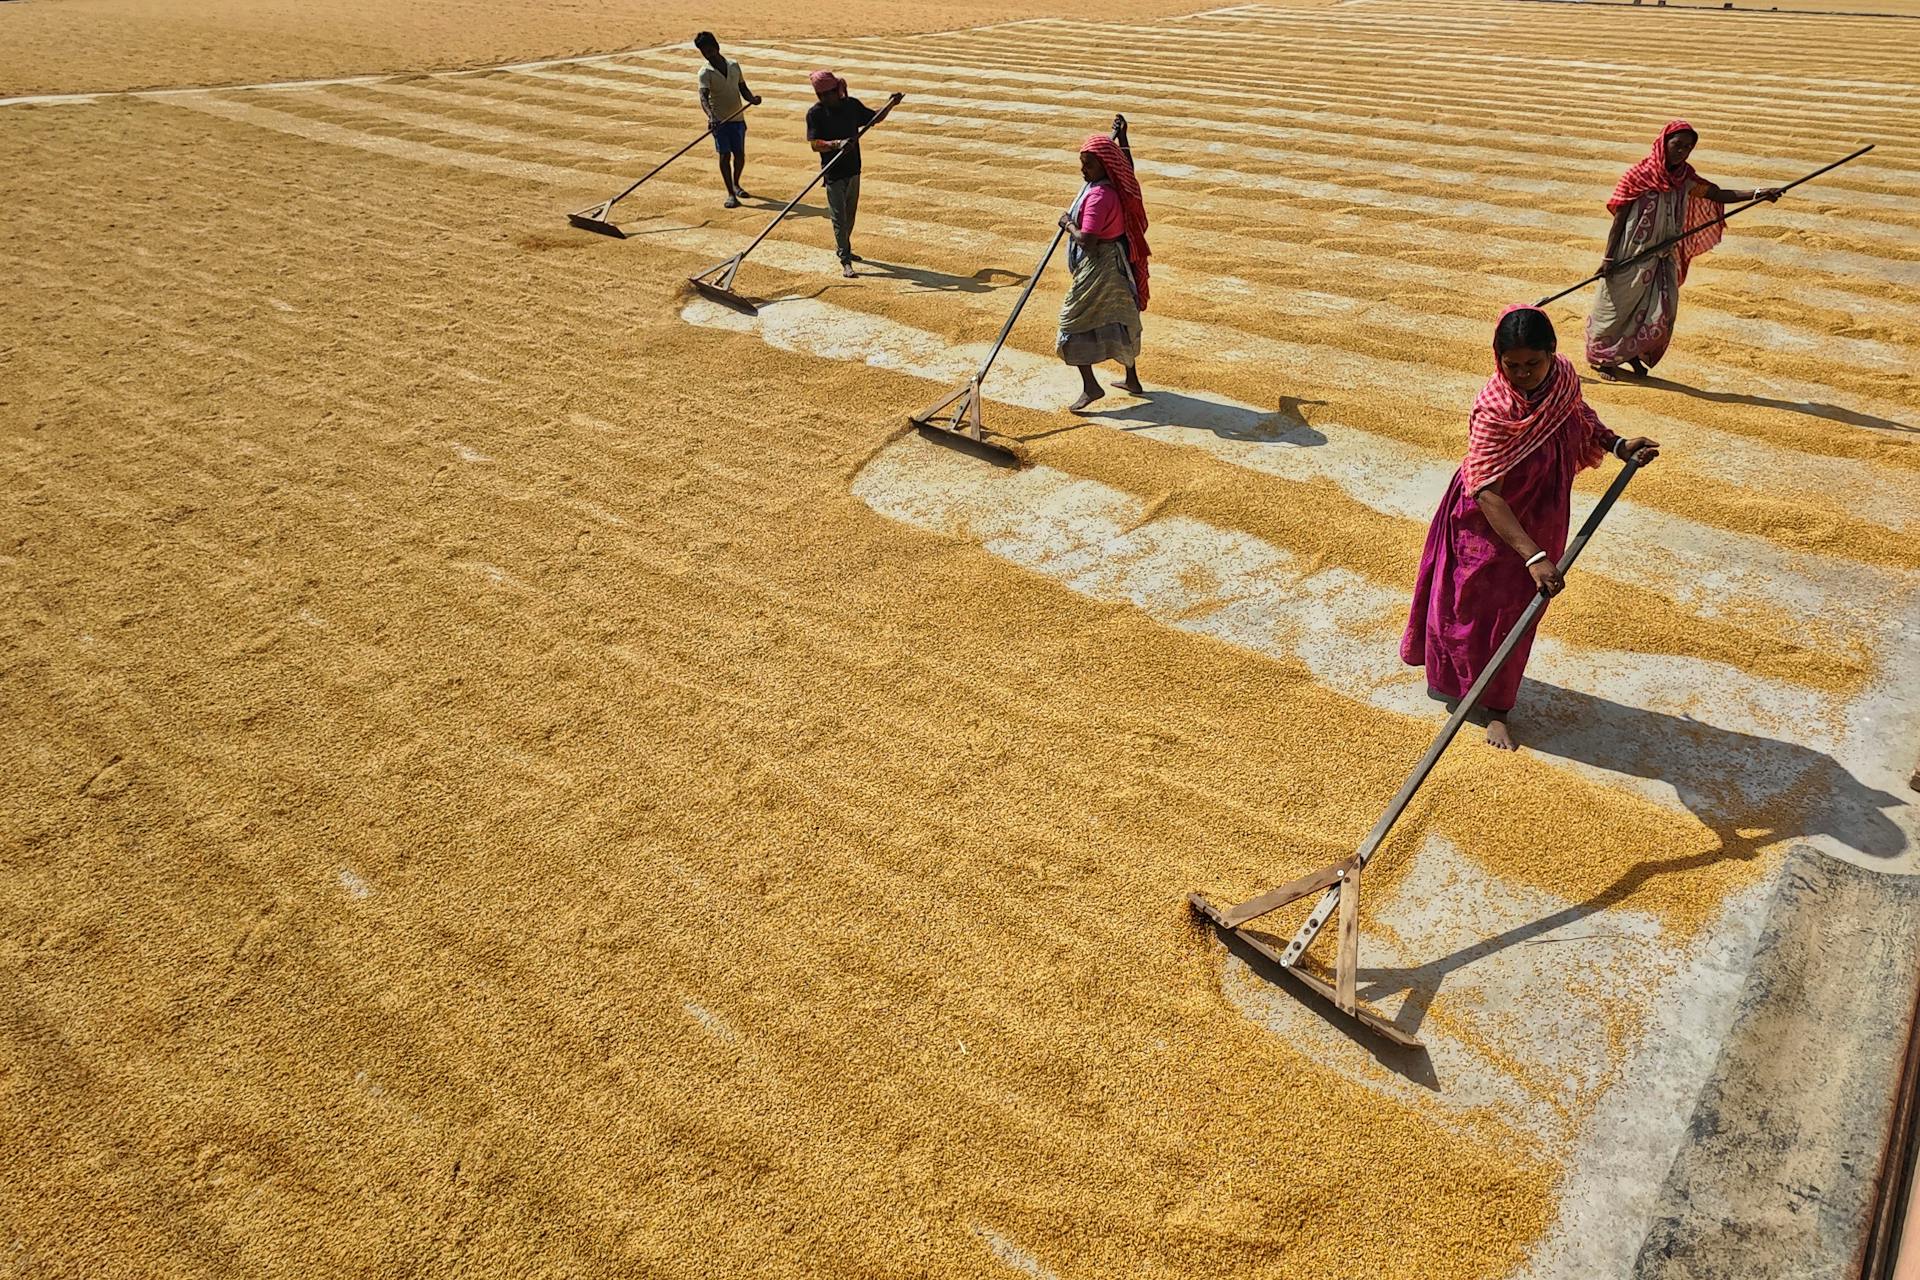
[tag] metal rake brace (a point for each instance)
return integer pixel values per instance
(958, 412)
(1339, 884)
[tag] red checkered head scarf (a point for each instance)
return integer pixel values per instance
(1652, 174)
(1120, 173)
(1506, 424)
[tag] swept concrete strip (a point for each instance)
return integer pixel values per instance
(1639, 1123)
(1711, 571)
(1416, 325)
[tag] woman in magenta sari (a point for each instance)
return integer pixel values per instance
(1503, 524)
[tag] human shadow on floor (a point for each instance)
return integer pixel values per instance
(1724, 777)
(1812, 408)
(1411, 1064)
(1286, 425)
(1052, 431)
(929, 281)
(1750, 791)
(661, 231)
(774, 206)
(764, 303)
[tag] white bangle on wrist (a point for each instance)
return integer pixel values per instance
(1536, 558)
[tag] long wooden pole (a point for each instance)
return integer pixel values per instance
(1331, 898)
(603, 208)
(1666, 244)
(824, 170)
(1032, 280)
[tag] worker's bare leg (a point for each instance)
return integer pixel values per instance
(1089, 389)
(1131, 382)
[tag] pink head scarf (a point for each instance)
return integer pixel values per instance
(1652, 174)
(1505, 425)
(1120, 171)
(825, 82)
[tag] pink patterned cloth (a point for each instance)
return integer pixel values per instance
(1102, 215)
(825, 81)
(1472, 587)
(1119, 169)
(1507, 424)
(1652, 175)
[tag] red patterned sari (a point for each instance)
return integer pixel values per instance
(1634, 309)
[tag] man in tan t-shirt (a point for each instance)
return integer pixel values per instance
(724, 96)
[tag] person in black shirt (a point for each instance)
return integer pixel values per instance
(832, 126)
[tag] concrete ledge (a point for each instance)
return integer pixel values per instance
(1781, 1168)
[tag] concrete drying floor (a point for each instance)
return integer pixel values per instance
(510, 765)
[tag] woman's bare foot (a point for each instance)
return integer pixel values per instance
(1613, 371)
(1130, 384)
(1498, 736)
(1086, 398)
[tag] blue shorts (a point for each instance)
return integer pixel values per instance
(730, 139)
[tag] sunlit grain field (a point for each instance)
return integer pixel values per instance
(512, 768)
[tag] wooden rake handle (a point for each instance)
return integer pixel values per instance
(817, 179)
(1668, 243)
(1059, 234)
(600, 210)
(1404, 796)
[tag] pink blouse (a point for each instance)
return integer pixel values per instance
(1101, 215)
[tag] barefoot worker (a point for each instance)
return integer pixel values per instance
(1503, 524)
(1107, 227)
(723, 95)
(832, 126)
(1655, 200)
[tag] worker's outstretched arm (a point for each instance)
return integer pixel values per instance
(1725, 195)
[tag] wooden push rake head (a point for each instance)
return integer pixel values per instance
(716, 282)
